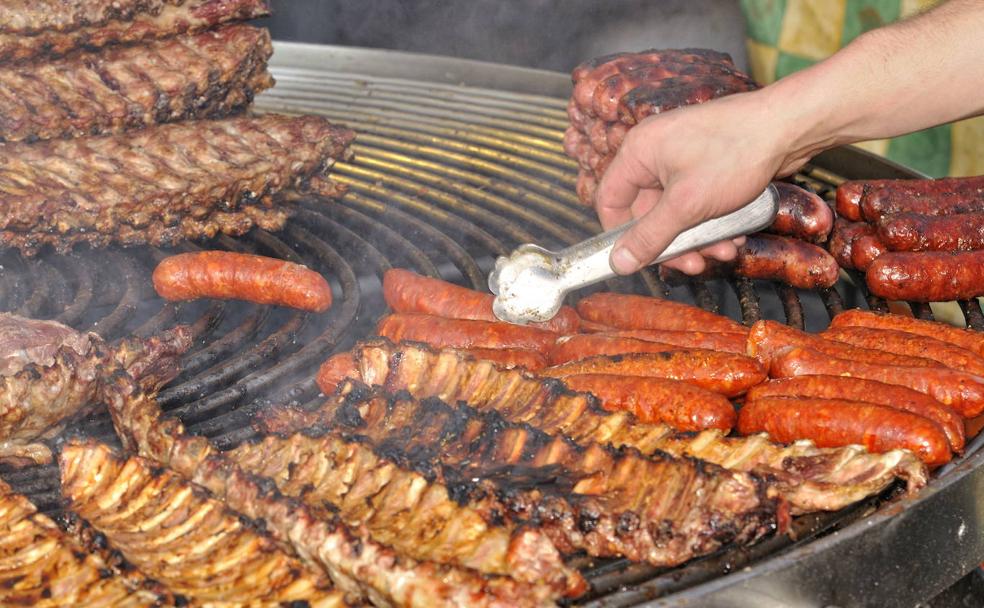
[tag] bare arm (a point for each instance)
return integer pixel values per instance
(684, 167)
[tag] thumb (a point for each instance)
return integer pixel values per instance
(653, 233)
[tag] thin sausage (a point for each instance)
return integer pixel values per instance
(338, 367)
(406, 291)
(911, 345)
(728, 342)
(963, 391)
(241, 276)
(967, 338)
(590, 327)
(848, 200)
(842, 238)
(926, 196)
(838, 422)
(683, 406)
(643, 312)
(865, 249)
(725, 373)
(791, 261)
(802, 214)
(927, 276)
(870, 391)
(582, 346)
(464, 333)
(917, 232)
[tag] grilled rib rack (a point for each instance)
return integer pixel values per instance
(457, 163)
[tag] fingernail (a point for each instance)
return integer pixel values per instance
(623, 262)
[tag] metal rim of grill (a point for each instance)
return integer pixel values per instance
(446, 177)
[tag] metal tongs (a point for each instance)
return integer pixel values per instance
(531, 282)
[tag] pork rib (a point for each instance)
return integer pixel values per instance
(192, 544)
(809, 478)
(205, 75)
(50, 28)
(135, 186)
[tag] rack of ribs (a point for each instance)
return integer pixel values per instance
(210, 74)
(49, 372)
(162, 184)
(49, 28)
(808, 477)
(205, 552)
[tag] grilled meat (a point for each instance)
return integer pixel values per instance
(608, 502)
(162, 183)
(208, 74)
(178, 536)
(809, 478)
(357, 564)
(42, 566)
(415, 515)
(33, 28)
(49, 372)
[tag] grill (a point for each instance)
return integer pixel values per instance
(458, 162)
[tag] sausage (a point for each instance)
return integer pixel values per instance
(778, 258)
(838, 422)
(963, 391)
(406, 291)
(904, 343)
(582, 346)
(848, 200)
(725, 373)
(967, 338)
(597, 134)
(643, 312)
(241, 276)
(767, 338)
(927, 276)
(682, 406)
(917, 232)
(590, 327)
(869, 391)
(509, 357)
(728, 342)
(926, 196)
(865, 249)
(842, 238)
(802, 214)
(464, 333)
(338, 367)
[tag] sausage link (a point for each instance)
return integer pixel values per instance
(967, 338)
(767, 338)
(848, 200)
(590, 327)
(728, 342)
(802, 214)
(911, 345)
(464, 333)
(241, 276)
(865, 249)
(917, 232)
(837, 422)
(960, 390)
(927, 276)
(509, 357)
(869, 391)
(683, 406)
(778, 258)
(336, 368)
(842, 238)
(644, 312)
(406, 291)
(582, 346)
(725, 373)
(926, 196)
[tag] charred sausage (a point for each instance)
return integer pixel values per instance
(865, 249)
(582, 346)
(241, 276)
(406, 291)
(963, 391)
(848, 200)
(967, 338)
(870, 391)
(927, 276)
(917, 232)
(338, 367)
(643, 312)
(802, 214)
(842, 239)
(682, 406)
(729, 342)
(838, 422)
(778, 258)
(910, 345)
(925, 196)
(464, 333)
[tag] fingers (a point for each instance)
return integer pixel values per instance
(655, 230)
(723, 251)
(643, 204)
(622, 182)
(691, 263)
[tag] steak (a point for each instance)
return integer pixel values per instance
(205, 75)
(162, 184)
(50, 28)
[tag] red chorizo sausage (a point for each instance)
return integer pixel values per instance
(926, 196)
(869, 391)
(683, 406)
(838, 422)
(917, 232)
(509, 357)
(464, 333)
(643, 312)
(582, 346)
(865, 249)
(963, 391)
(728, 342)
(802, 214)
(778, 258)
(406, 291)
(927, 276)
(725, 373)
(967, 338)
(848, 200)
(842, 238)
(904, 343)
(590, 327)
(338, 367)
(241, 276)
